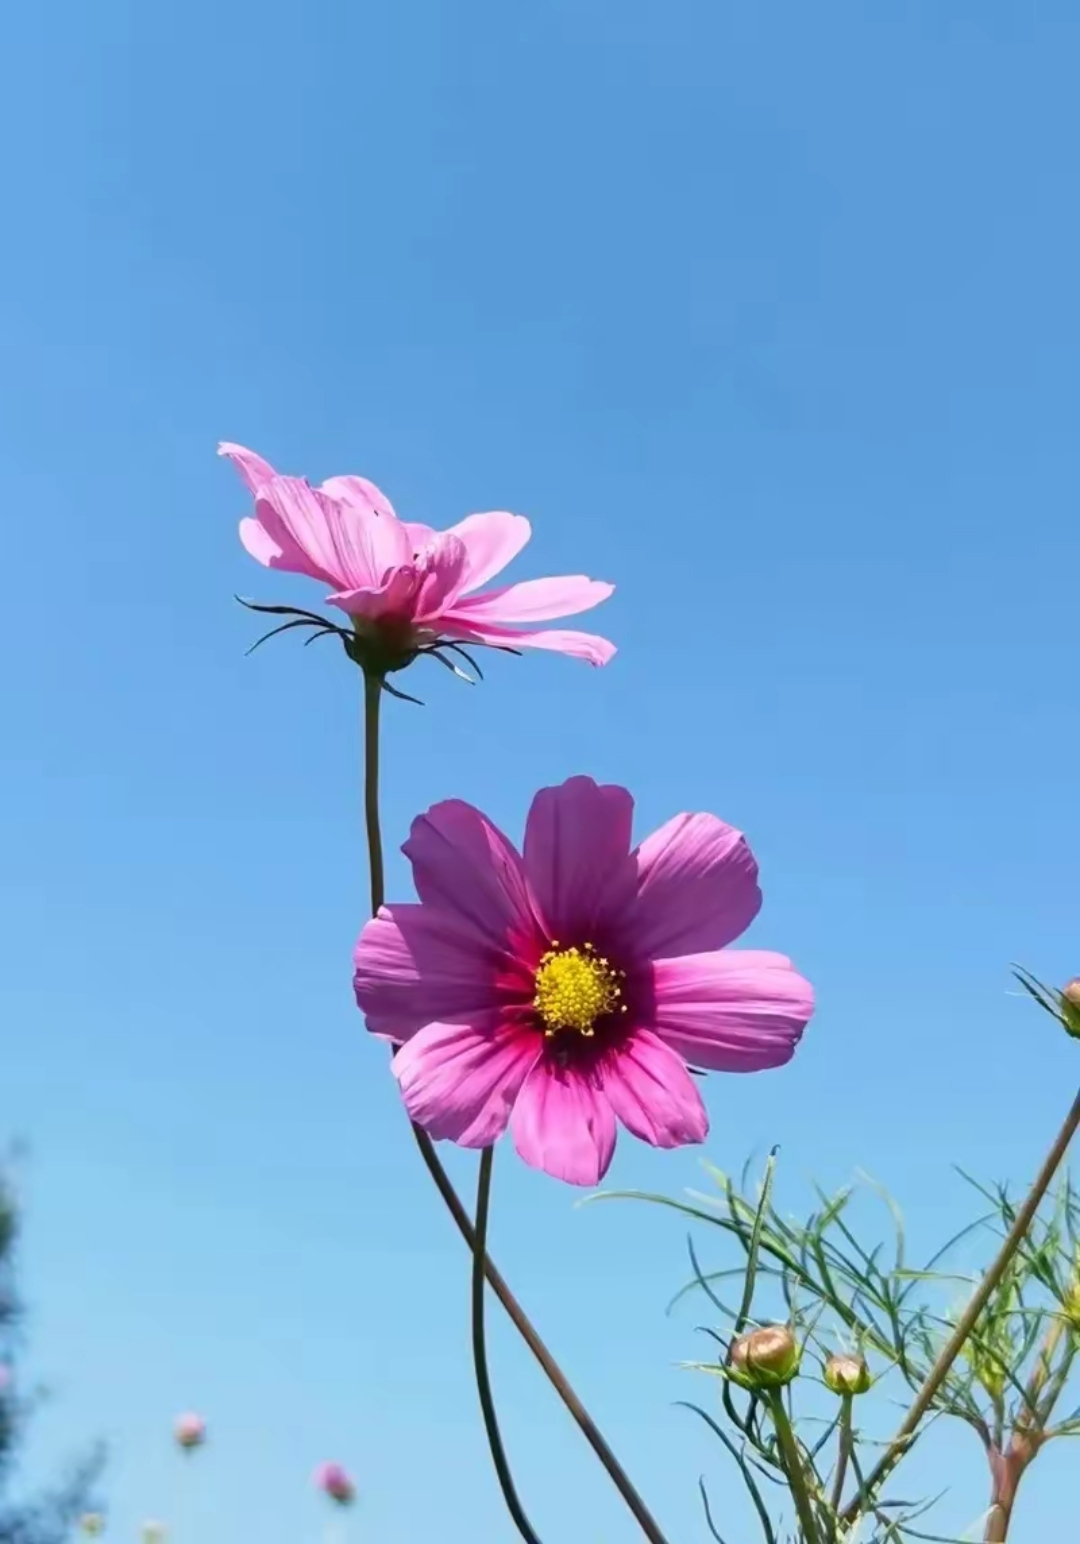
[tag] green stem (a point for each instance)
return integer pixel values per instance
(479, 1341)
(843, 1452)
(793, 1465)
(517, 1315)
(955, 1344)
(372, 697)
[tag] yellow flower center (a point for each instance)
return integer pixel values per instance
(574, 988)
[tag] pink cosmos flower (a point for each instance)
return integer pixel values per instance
(569, 987)
(407, 583)
(334, 1481)
(190, 1430)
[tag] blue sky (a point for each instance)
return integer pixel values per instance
(768, 314)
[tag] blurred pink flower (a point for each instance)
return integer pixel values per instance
(408, 583)
(190, 1431)
(334, 1480)
(569, 988)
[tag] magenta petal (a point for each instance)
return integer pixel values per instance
(464, 864)
(415, 965)
(563, 1124)
(653, 1094)
(252, 468)
(587, 646)
(394, 598)
(460, 1081)
(535, 600)
(697, 888)
(731, 1012)
(301, 521)
(577, 855)
(492, 540)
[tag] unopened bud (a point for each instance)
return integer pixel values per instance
(1070, 1006)
(764, 1359)
(190, 1431)
(153, 1533)
(334, 1481)
(91, 1525)
(847, 1374)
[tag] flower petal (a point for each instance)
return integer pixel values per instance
(563, 1124)
(653, 1094)
(535, 600)
(464, 864)
(586, 646)
(443, 567)
(252, 468)
(360, 493)
(460, 1081)
(492, 540)
(697, 888)
(577, 855)
(393, 598)
(737, 1011)
(302, 522)
(416, 965)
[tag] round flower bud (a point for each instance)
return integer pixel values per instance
(91, 1525)
(847, 1374)
(1070, 1006)
(190, 1431)
(764, 1359)
(334, 1481)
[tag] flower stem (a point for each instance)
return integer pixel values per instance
(479, 1341)
(517, 1315)
(372, 697)
(955, 1344)
(843, 1451)
(793, 1465)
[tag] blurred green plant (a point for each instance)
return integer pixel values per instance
(52, 1518)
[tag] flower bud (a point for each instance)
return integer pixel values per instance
(1070, 1006)
(847, 1374)
(333, 1480)
(764, 1359)
(152, 1533)
(91, 1525)
(190, 1431)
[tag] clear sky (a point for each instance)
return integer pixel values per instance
(767, 313)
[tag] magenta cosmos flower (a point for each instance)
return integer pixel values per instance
(571, 987)
(406, 584)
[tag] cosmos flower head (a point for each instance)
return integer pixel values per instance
(570, 987)
(406, 588)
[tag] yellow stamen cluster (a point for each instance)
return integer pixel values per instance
(574, 988)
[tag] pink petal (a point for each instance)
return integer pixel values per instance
(417, 965)
(460, 1081)
(535, 600)
(419, 535)
(360, 493)
(586, 646)
(563, 1124)
(731, 1012)
(577, 855)
(492, 540)
(463, 863)
(652, 1093)
(252, 468)
(697, 888)
(393, 598)
(442, 564)
(302, 523)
